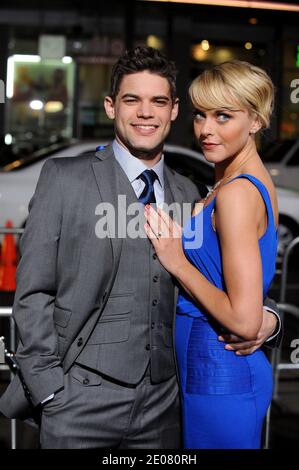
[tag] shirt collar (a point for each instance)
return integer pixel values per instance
(133, 167)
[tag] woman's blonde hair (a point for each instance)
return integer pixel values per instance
(232, 85)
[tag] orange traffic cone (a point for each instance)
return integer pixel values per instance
(8, 261)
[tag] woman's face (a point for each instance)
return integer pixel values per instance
(223, 133)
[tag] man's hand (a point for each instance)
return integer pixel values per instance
(241, 347)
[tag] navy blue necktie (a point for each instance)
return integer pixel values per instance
(148, 195)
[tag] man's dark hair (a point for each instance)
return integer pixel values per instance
(142, 59)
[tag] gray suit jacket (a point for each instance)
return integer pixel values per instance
(66, 273)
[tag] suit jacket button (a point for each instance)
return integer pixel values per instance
(148, 347)
(154, 302)
(86, 381)
(79, 342)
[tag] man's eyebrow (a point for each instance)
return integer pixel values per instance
(156, 97)
(161, 97)
(129, 95)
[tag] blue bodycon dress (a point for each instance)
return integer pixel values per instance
(225, 397)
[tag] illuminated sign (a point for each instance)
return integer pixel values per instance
(262, 5)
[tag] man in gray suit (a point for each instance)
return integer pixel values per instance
(95, 314)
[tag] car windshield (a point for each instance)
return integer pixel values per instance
(198, 171)
(12, 159)
(275, 152)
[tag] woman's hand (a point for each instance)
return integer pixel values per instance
(166, 237)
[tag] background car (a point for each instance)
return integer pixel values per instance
(19, 177)
(282, 161)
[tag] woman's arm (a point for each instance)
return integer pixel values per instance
(240, 308)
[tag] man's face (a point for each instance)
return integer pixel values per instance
(142, 111)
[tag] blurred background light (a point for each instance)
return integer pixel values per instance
(205, 45)
(37, 105)
(53, 106)
(67, 60)
(8, 139)
(261, 5)
(154, 41)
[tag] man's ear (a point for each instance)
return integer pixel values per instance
(109, 107)
(175, 109)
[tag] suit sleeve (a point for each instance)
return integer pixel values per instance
(274, 340)
(33, 308)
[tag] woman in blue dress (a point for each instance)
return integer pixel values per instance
(225, 278)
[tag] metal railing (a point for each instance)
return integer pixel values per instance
(293, 310)
(284, 308)
(6, 312)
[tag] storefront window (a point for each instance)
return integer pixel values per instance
(95, 58)
(289, 127)
(94, 83)
(205, 53)
(40, 96)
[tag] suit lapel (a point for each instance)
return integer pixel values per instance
(104, 168)
(173, 192)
